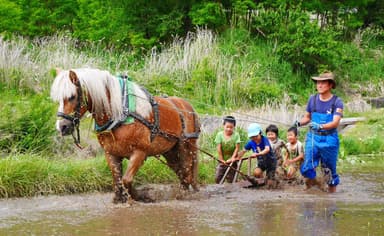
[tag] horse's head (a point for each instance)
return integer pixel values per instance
(67, 90)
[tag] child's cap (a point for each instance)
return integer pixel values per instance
(254, 129)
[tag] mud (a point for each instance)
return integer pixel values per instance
(357, 208)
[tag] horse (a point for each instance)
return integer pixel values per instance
(129, 123)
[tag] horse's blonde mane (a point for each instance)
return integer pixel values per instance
(96, 83)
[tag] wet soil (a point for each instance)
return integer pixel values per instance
(229, 209)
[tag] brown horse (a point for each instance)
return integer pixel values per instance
(130, 123)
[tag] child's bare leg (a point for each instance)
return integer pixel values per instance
(291, 172)
(331, 189)
(258, 173)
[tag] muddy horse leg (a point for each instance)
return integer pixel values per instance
(192, 153)
(136, 160)
(115, 165)
(183, 160)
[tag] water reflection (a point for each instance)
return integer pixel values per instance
(355, 210)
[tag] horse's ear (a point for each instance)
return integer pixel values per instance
(58, 70)
(73, 77)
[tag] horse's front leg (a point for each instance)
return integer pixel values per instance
(136, 160)
(115, 165)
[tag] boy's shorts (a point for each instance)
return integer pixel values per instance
(267, 164)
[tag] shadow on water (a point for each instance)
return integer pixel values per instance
(356, 209)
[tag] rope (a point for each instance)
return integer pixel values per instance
(253, 118)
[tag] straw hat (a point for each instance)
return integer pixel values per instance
(326, 76)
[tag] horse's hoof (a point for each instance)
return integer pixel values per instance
(121, 198)
(117, 200)
(195, 188)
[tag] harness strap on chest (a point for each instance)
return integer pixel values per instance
(155, 126)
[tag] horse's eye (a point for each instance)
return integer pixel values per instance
(71, 98)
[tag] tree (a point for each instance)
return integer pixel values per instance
(10, 17)
(42, 18)
(210, 14)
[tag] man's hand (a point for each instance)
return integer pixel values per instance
(296, 124)
(315, 126)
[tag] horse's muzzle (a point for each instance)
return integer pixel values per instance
(64, 126)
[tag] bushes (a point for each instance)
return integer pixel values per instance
(298, 40)
(208, 14)
(26, 124)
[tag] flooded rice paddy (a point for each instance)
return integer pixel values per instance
(356, 209)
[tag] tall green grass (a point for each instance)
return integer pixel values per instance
(29, 66)
(367, 137)
(32, 175)
(227, 71)
(26, 123)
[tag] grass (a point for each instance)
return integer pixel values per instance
(30, 175)
(30, 65)
(369, 164)
(367, 137)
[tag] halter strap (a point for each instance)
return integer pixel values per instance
(75, 118)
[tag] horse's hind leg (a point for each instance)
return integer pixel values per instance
(115, 165)
(183, 160)
(190, 152)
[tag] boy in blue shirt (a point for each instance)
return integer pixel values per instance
(324, 112)
(262, 150)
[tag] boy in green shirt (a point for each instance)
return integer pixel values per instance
(228, 144)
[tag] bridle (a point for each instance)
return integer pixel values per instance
(75, 116)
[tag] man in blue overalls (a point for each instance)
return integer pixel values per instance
(323, 113)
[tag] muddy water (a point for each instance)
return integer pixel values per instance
(356, 209)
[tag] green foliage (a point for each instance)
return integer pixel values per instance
(142, 24)
(210, 14)
(361, 68)
(26, 124)
(257, 92)
(375, 13)
(242, 13)
(30, 175)
(342, 16)
(128, 24)
(101, 21)
(155, 171)
(203, 81)
(361, 164)
(299, 41)
(162, 85)
(10, 17)
(367, 137)
(42, 18)
(13, 79)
